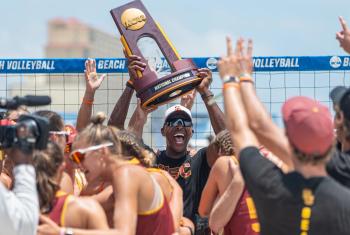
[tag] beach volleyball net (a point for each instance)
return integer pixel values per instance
(276, 79)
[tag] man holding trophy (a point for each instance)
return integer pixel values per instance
(191, 172)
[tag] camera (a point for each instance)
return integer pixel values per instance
(29, 133)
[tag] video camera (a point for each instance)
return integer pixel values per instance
(30, 131)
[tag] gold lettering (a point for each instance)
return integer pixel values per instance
(308, 197)
(306, 213)
(133, 19)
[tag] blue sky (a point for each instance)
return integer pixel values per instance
(196, 27)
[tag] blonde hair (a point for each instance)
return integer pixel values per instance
(224, 142)
(132, 146)
(97, 133)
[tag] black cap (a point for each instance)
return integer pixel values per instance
(337, 94)
(344, 104)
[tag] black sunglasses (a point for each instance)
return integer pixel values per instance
(178, 122)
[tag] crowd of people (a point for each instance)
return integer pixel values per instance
(253, 177)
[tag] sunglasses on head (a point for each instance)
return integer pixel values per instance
(78, 155)
(178, 122)
(61, 133)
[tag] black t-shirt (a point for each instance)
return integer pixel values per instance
(339, 167)
(191, 173)
(280, 199)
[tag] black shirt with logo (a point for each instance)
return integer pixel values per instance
(191, 173)
(291, 204)
(339, 167)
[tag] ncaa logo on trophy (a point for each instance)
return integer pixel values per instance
(142, 36)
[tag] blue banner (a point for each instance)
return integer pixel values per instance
(119, 65)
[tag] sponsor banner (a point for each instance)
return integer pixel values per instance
(109, 65)
(287, 63)
(60, 65)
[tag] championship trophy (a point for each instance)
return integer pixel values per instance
(136, 27)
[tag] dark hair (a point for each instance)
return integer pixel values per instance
(314, 159)
(96, 133)
(224, 142)
(46, 164)
(55, 120)
(133, 147)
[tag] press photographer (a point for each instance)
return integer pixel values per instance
(19, 208)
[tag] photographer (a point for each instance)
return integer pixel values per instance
(19, 208)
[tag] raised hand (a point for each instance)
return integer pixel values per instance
(188, 99)
(344, 36)
(236, 63)
(134, 65)
(142, 112)
(92, 81)
(207, 79)
(139, 119)
(245, 57)
(228, 65)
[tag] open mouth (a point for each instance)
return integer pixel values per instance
(179, 138)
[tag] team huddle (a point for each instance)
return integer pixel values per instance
(253, 177)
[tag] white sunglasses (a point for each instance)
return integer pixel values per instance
(78, 155)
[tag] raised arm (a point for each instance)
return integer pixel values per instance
(216, 116)
(236, 117)
(260, 122)
(121, 108)
(139, 119)
(344, 36)
(92, 83)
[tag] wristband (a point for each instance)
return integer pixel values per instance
(231, 84)
(88, 102)
(207, 95)
(246, 79)
(228, 79)
(68, 231)
(130, 84)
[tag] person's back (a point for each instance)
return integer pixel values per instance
(75, 212)
(303, 201)
(290, 203)
(225, 199)
(244, 217)
(157, 218)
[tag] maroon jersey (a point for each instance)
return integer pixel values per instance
(158, 221)
(59, 209)
(244, 220)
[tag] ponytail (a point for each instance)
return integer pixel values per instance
(132, 146)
